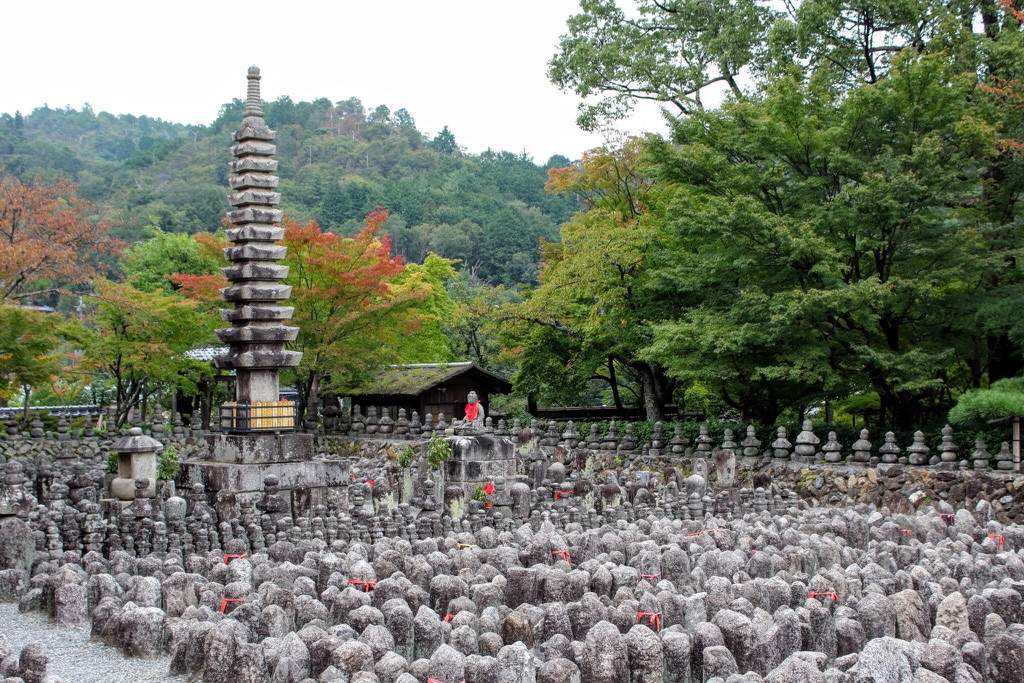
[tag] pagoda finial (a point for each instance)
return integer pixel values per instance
(253, 103)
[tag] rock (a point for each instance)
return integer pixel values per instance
(17, 549)
(885, 660)
(718, 662)
(605, 658)
(1005, 659)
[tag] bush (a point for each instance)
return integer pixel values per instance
(479, 494)
(406, 456)
(438, 450)
(169, 466)
(112, 462)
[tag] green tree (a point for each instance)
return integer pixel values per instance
(429, 343)
(589, 319)
(29, 356)
(671, 51)
(828, 244)
(138, 341)
(149, 265)
(444, 142)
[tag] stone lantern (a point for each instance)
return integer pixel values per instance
(136, 459)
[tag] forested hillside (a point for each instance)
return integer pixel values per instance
(337, 163)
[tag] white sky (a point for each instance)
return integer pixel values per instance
(477, 66)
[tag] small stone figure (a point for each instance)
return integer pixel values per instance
(401, 424)
(628, 443)
(372, 423)
(833, 450)
(806, 443)
(610, 442)
(751, 444)
(889, 451)
(861, 449)
(703, 442)
(1004, 458)
(981, 456)
(386, 425)
(678, 441)
(947, 451)
(657, 439)
(781, 445)
(475, 414)
(917, 452)
(358, 424)
(570, 437)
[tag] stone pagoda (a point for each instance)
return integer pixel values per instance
(257, 436)
(257, 334)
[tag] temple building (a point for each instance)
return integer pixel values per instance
(429, 388)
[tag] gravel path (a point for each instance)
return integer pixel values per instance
(76, 658)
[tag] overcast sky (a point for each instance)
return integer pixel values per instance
(478, 66)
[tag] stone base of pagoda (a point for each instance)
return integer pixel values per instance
(239, 463)
(260, 448)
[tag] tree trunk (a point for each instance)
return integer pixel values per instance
(653, 409)
(27, 390)
(614, 383)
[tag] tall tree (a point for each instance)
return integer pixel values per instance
(151, 265)
(48, 237)
(831, 243)
(138, 340)
(29, 355)
(673, 52)
(592, 315)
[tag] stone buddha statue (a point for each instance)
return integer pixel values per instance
(474, 412)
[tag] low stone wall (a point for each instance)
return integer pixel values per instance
(897, 487)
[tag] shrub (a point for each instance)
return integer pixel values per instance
(406, 456)
(112, 462)
(169, 466)
(438, 450)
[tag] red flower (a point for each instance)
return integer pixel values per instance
(489, 488)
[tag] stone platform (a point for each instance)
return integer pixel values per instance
(478, 459)
(240, 462)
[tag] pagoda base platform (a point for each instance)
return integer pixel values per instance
(240, 462)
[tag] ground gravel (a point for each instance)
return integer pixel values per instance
(76, 658)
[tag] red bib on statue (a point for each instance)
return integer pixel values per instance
(472, 410)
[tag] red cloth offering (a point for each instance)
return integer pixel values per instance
(472, 410)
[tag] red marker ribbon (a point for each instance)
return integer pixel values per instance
(653, 618)
(907, 532)
(448, 617)
(649, 577)
(998, 538)
(227, 601)
(228, 557)
(559, 495)
(367, 585)
(824, 594)
(562, 554)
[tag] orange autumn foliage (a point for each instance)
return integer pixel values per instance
(47, 233)
(351, 295)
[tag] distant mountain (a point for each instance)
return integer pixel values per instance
(338, 162)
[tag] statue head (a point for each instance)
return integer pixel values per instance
(472, 398)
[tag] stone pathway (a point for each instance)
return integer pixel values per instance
(74, 657)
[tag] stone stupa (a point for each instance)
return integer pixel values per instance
(257, 433)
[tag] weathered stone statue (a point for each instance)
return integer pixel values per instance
(475, 416)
